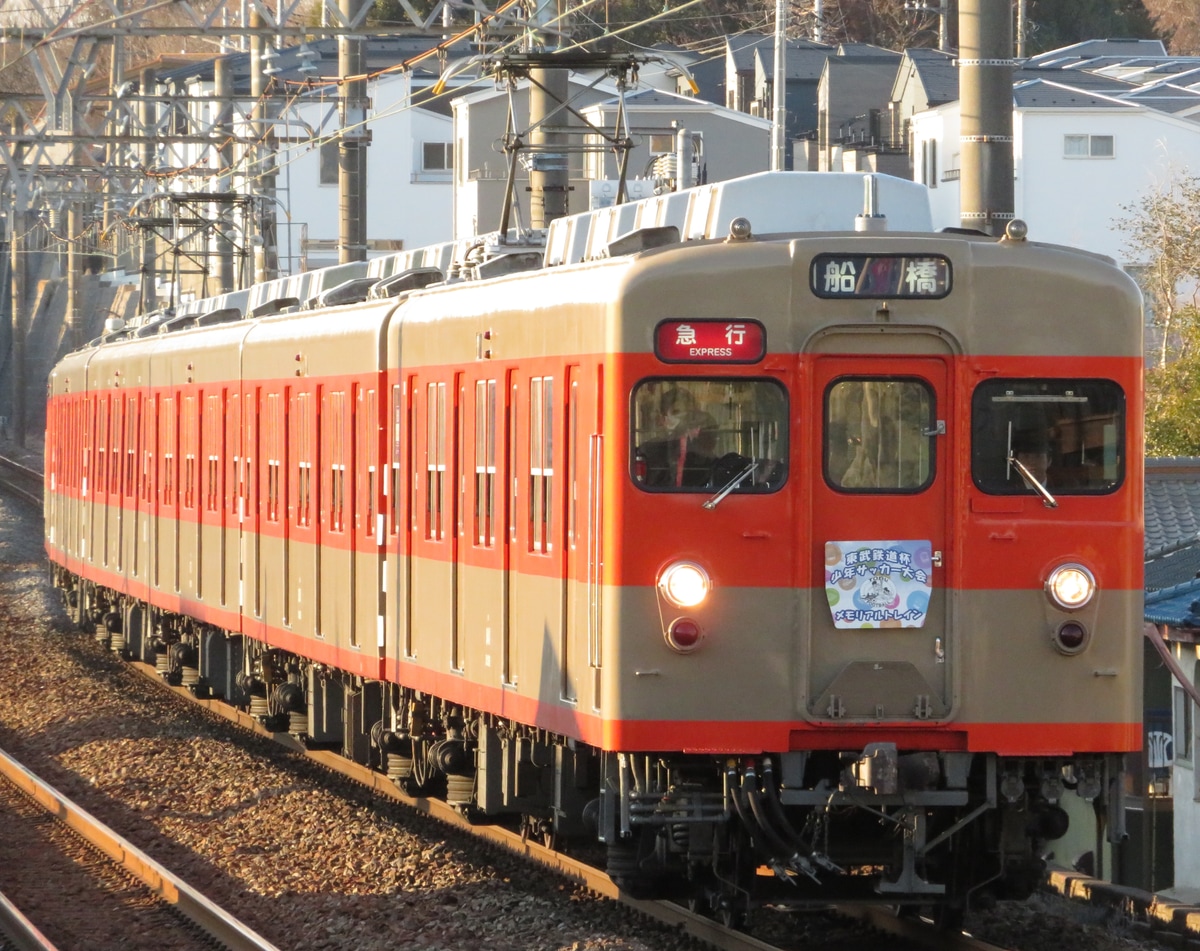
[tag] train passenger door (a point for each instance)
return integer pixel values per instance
(879, 643)
(483, 546)
(580, 499)
(433, 615)
(335, 606)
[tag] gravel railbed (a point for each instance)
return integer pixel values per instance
(307, 860)
(315, 862)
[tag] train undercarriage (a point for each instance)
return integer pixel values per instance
(938, 831)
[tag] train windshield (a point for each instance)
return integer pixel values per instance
(1067, 434)
(701, 435)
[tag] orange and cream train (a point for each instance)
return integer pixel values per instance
(732, 529)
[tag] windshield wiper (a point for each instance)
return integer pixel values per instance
(731, 485)
(1031, 482)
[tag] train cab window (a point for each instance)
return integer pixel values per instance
(879, 435)
(706, 435)
(1066, 434)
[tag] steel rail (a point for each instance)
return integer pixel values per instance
(21, 481)
(213, 920)
(595, 880)
(21, 933)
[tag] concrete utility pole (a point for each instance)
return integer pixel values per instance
(148, 285)
(18, 224)
(549, 90)
(353, 141)
(266, 254)
(779, 90)
(223, 132)
(74, 273)
(985, 37)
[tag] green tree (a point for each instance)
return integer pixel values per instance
(1055, 23)
(1163, 237)
(1173, 401)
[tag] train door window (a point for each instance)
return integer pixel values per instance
(435, 461)
(573, 459)
(510, 436)
(214, 418)
(485, 463)
(705, 435)
(117, 433)
(169, 450)
(274, 487)
(395, 511)
(302, 420)
(149, 418)
(368, 450)
(132, 420)
(190, 441)
(541, 463)
(102, 446)
(334, 421)
(879, 435)
(232, 433)
(88, 425)
(1065, 434)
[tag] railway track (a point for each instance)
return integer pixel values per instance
(104, 889)
(908, 932)
(21, 481)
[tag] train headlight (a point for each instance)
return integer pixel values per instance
(684, 583)
(1070, 587)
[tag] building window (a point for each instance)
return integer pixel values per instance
(437, 156)
(329, 162)
(1182, 720)
(1088, 146)
(929, 162)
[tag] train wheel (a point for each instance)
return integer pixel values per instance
(732, 911)
(950, 916)
(540, 830)
(624, 867)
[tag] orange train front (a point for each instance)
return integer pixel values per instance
(727, 535)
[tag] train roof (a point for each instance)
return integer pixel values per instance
(773, 202)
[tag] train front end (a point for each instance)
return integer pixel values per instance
(874, 561)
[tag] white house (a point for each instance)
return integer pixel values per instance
(1081, 155)
(410, 164)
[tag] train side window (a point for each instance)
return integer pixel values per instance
(393, 488)
(133, 420)
(541, 463)
(878, 435)
(334, 423)
(214, 418)
(701, 435)
(274, 419)
(169, 449)
(368, 449)
(1068, 433)
(303, 441)
(435, 462)
(191, 441)
(485, 463)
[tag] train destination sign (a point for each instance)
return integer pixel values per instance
(880, 276)
(710, 341)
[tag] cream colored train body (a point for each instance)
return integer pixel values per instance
(803, 547)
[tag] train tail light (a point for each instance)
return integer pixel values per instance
(1070, 637)
(1070, 587)
(683, 635)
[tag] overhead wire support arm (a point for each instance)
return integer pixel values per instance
(527, 65)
